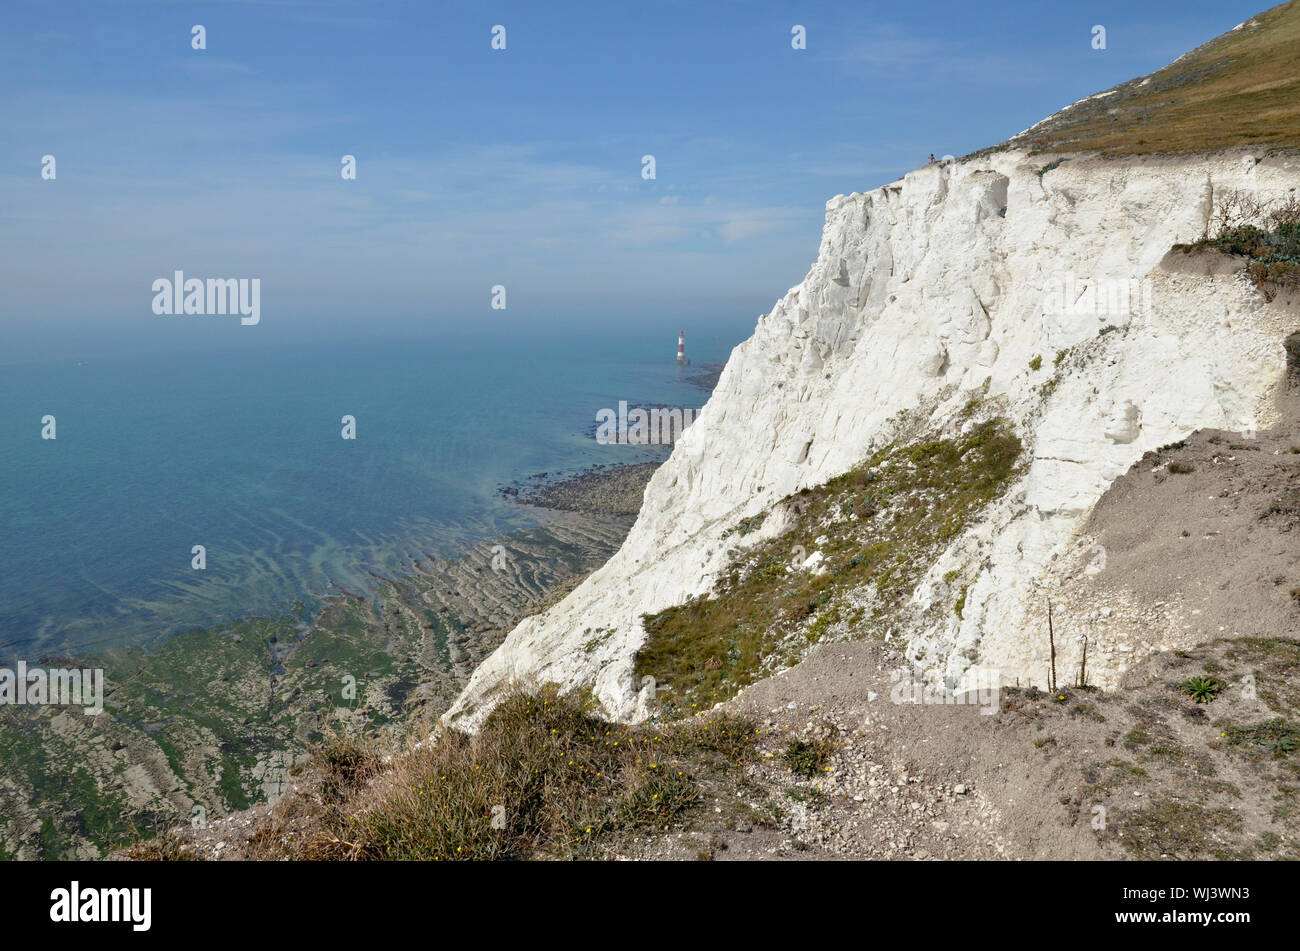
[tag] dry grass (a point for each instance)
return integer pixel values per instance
(1239, 90)
(544, 778)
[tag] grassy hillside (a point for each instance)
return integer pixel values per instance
(1239, 90)
(878, 528)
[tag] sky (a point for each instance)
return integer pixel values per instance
(476, 167)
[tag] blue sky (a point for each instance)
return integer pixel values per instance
(478, 167)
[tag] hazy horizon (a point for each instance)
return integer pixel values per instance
(478, 167)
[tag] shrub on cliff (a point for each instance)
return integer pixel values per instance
(544, 777)
(1265, 232)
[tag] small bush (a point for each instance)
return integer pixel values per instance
(807, 759)
(1267, 233)
(544, 777)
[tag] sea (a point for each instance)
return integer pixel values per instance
(243, 453)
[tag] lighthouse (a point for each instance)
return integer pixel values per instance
(681, 349)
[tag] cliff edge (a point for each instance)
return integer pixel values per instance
(1040, 286)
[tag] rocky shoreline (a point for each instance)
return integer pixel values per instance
(706, 375)
(598, 491)
(211, 722)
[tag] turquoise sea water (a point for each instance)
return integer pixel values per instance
(242, 453)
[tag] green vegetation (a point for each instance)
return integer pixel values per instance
(1135, 738)
(747, 525)
(1104, 778)
(442, 628)
(814, 796)
(960, 605)
(545, 777)
(1180, 468)
(1203, 761)
(1087, 711)
(1050, 166)
(202, 713)
(808, 758)
(824, 622)
(1202, 689)
(1278, 737)
(1178, 829)
(1036, 364)
(885, 520)
(1274, 666)
(1266, 233)
(1241, 89)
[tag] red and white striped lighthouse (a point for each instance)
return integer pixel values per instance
(681, 347)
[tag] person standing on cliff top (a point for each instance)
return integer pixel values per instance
(931, 158)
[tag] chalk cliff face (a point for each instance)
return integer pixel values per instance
(947, 284)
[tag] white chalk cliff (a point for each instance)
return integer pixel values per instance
(925, 291)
